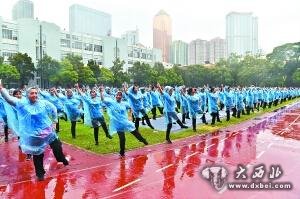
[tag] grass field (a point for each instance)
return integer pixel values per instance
(85, 138)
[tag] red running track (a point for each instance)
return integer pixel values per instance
(163, 171)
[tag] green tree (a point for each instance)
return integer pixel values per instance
(141, 73)
(9, 73)
(107, 77)
(24, 65)
(67, 76)
(1, 60)
(172, 78)
(76, 61)
(119, 75)
(86, 76)
(95, 68)
(46, 69)
(296, 77)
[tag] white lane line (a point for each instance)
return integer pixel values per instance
(284, 130)
(260, 154)
(188, 156)
(127, 185)
(209, 146)
(269, 146)
(163, 168)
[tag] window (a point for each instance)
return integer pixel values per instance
(77, 45)
(7, 34)
(65, 43)
(8, 54)
(98, 48)
(68, 36)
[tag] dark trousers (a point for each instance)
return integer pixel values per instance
(145, 116)
(215, 115)
(122, 140)
(38, 160)
(73, 129)
(96, 128)
(153, 110)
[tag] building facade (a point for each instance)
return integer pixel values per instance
(162, 34)
(217, 50)
(198, 52)
(23, 9)
(132, 37)
(89, 21)
(179, 53)
(241, 33)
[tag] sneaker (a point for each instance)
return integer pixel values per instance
(184, 127)
(168, 141)
(28, 157)
(109, 136)
(40, 177)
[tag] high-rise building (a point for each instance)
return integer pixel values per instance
(198, 52)
(217, 50)
(179, 53)
(241, 33)
(23, 9)
(89, 21)
(162, 34)
(132, 37)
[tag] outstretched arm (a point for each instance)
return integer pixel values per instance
(9, 99)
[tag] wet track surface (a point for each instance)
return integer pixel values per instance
(164, 171)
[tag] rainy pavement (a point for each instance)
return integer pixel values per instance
(163, 170)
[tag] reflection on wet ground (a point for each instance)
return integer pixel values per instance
(163, 171)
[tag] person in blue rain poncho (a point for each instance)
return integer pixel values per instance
(3, 118)
(228, 101)
(54, 99)
(203, 98)
(213, 108)
(135, 99)
(146, 102)
(36, 121)
(93, 114)
(193, 105)
(118, 117)
(156, 102)
(184, 104)
(169, 110)
(72, 108)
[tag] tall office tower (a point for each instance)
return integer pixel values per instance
(198, 52)
(89, 21)
(23, 9)
(217, 50)
(162, 34)
(179, 53)
(132, 37)
(241, 33)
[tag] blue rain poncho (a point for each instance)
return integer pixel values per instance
(169, 102)
(194, 105)
(212, 102)
(92, 109)
(136, 102)
(53, 99)
(35, 124)
(3, 115)
(228, 99)
(71, 107)
(203, 98)
(155, 99)
(12, 117)
(118, 116)
(184, 104)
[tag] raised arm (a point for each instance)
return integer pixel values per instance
(9, 99)
(159, 88)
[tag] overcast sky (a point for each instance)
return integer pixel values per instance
(278, 20)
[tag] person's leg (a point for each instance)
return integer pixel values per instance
(227, 114)
(153, 110)
(204, 119)
(56, 147)
(238, 114)
(234, 112)
(5, 133)
(161, 110)
(104, 127)
(146, 118)
(248, 110)
(38, 166)
(138, 136)
(213, 120)
(96, 135)
(122, 141)
(175, 117)
(187, 115)
(168, 131)
(183, 118)
(194, 123)
(137, 123)
(218, 117)
(143, 121)
(57, 126)
(73, 129)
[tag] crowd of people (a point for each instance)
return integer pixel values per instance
(33, 114)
